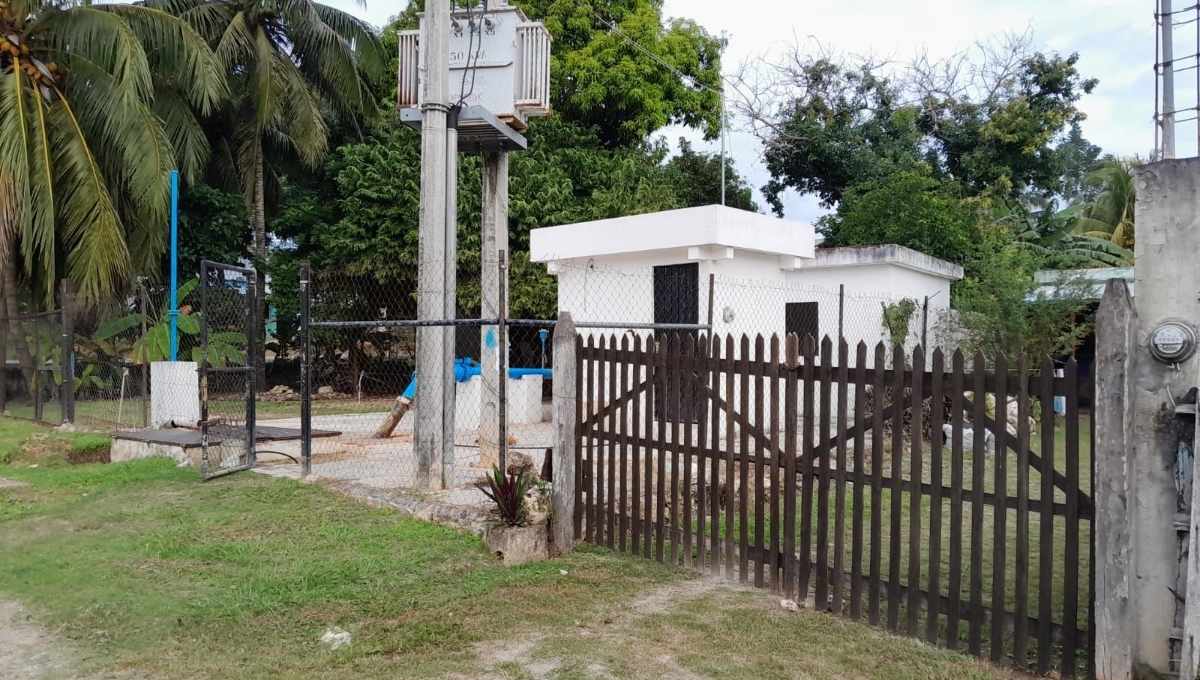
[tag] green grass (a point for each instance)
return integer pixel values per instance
(987, 544)
(151, 572)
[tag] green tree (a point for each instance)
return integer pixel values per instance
(698, 179)
(1110, 215)
(1043, 229)
(998, 307)
(212, 226)
(88, 135)
(990, 120)
(1075, 158)
(906, 209)
(602, 81)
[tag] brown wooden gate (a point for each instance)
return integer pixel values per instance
(937, 496)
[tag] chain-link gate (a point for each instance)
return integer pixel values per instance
(227, 368)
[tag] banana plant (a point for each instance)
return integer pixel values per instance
(45, 341)
(155, 345)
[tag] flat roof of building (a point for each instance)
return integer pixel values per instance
(900, 256)
(710, 225)
(1089, 282)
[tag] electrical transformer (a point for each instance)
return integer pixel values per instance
(499, 62)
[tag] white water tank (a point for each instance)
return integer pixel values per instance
(499, 60)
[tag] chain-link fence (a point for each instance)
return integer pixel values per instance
(657, 297)
(360, 398)
(107, 348)
(33, 351)
(113, 350)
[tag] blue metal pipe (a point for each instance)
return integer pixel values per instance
(173, 310)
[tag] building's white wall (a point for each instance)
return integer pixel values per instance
(752, 288)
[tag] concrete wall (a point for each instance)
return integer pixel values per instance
(1168, 283)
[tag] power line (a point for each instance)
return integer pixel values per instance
(463, 93)
(671, 67)
(687, 79)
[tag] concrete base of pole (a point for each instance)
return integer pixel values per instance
(174, 393)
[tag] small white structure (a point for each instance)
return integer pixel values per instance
(175, 393)
(746, 273)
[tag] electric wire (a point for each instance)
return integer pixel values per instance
(463, 93)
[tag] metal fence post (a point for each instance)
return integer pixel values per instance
(565, 414)
(502, 329)
(145, 358)
(3, 357)
(66, 364)
(39, 369)
(841, 311)
(305, 372)
(253, 357)
(925, 323)
(712, 280)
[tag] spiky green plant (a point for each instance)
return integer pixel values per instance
(507, 491)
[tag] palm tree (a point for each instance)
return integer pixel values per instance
(1111, 215)
(89, 131)
(290, 63)
(1042, 228)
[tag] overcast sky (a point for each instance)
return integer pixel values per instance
(1114, 38)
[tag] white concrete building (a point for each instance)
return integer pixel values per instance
(745, 273)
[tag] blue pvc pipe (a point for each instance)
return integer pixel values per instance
(518, 373)
(173, 310)
(465, 369)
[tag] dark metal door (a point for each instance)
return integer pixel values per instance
(227, 368)
(677, 301)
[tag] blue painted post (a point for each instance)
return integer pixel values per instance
(173, 311)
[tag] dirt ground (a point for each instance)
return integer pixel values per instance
(28, 651)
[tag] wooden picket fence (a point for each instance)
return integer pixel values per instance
(834, 477)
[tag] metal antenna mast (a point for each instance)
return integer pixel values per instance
(1168, 64)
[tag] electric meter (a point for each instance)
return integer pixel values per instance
(1172, 342)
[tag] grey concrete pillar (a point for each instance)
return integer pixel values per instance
(494, 241)
(1167, 287)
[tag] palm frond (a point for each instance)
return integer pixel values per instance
(264, 91)
(184, 130)
(128, 143)
(174, 48)
(299, 117)
(235, 46)
(362, 38)
(101, 38)
(15, 199)
(91, 229)
(337, 52)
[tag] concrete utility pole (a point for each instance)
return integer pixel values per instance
(1168, 79)
(436, 371)
(494, 240)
